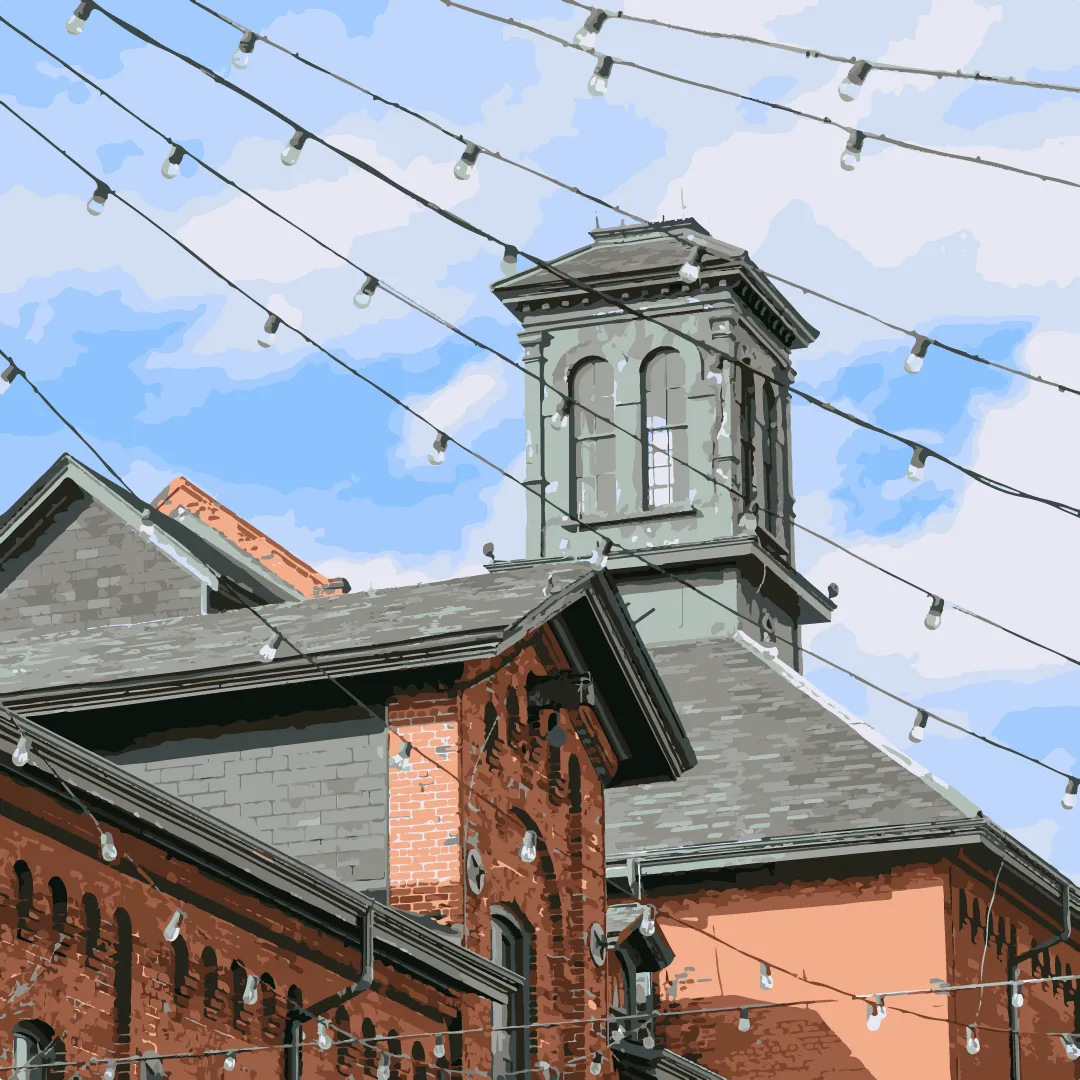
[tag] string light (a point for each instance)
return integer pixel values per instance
(527, 851)
(971, 1040)
(917, 465)
(172, 927)
(109, 1072)
(401, 759)
(291, 154)
(108, 848)
(77, 22)
(690, 271)
(170, 167)
(1071, 1043)
(598, 81)
(270, 328)
(1016, 997)
(933, 616)
(230, 1061)
(599, 557)
(440, 1048)
(648, 922)
(875, 1013)
(363, 296)
(242, 57)
(1068, 800)
(918, 729)
(464, 167)
(853, 151)
(596, 1065)
(8, 376)
(561, 416)
(324, 1038)
(21, 754)
(744, 1018)
(913, 364)
(268, 650)
(97, 200)
(586, 36)
(438, 449)
(765, 976)
(853, 81)
(509, 262)
(383, 1071)
(251, 990)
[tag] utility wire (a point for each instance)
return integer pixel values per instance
(817, 54)
(592, 528)
(789, 109)
(918, 449)
(416, 306)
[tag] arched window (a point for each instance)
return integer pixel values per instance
(181, 970)
(59, 897)
(210, 983)
(592, 391)
(770, 462)
(239, 983)
(91, 928)
(35, 1048)
(122, 962)
(24, 902)
(663, 393)
(509, 1045)
(747, 421)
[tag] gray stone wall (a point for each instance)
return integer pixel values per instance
(91, 569)
(319, 794)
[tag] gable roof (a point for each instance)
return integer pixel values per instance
(776, 759)
(207, 562)
(236, 537)
(392, 630)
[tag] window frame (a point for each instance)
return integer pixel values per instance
(507, 926)
(46, 1049)
(770, 462)
(589, 427)
(676, 435)
(747, 447)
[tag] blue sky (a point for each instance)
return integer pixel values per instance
(158, 363)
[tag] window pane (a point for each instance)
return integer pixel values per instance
(24, 1051)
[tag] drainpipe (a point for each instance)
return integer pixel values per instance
(1014, 975)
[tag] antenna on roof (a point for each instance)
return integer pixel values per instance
(597, 216)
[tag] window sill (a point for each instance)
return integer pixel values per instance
(662, 514)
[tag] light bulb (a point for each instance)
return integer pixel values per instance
(914, 362)
(1068, 800)
(464, 167)
(170, 167)
(75, 24)
(324, 1038)
(648, 1042)
(508, 264)
(561, 416)
(109, 1072)
(270, 328)
(598, 81)
(918, 729)
(527, 851)
(172, 927)
(440, 1048)
(586, 36)
(597, 1064)
(363, 296)
(401, 759)
(744, 1019)
(383, 1071)
(1072, 1046)
(917, 465)
(251, 990)
(765, 976)
(1016, 998)
(853, 80)
(690, 271)
(21, 754)
(971, 1040)
(618, 1034)
(933, 616)
(875, 1013)
(599, 557)
(852, 152)
(438, 449)
(242, 57)
(291, 154)
(648, 923)
(230, 1062)
(108, 848)
(8, 376)
(268, 651)
(97, 200)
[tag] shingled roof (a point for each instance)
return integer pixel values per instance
(776, 758)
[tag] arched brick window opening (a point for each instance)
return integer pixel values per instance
(181, 970)
(345, 1049)
(393, 1048)
(91, 935)
(371, 1050)
(513, 716)
(24, 901)
(59, 898)
(122, 958)
(491, 733)
(664, 433)
(419, 1067)
(238, 974)
(592, 451)
(210, 983)
(271, 1021)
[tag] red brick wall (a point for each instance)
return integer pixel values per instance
(105, 980)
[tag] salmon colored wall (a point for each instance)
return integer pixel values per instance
(858, 936)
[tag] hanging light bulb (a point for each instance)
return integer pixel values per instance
(75, 24)
(108, 848)
(401, 759)
(586, 36)
(917, 465)
(744, 1019)
(438, 449)
(324, 1038)
(508, 264)
(270, 328)
(853, 80)
(1016, 996)
(363, 296)
(648, 922)
(596, 1066)
(852, 152)
(268, 651)
(648, 1042)
(1068, 800)
(690, 271)
(1071, 1043)
(251, 990)
(875, 1013)
(21, 754)
(971, 1040)
(170, 167)
(918, 729)
(109, 1072)
(618, 1034)
(933, 616)
(383, 1071)
(561, 416)
(464, 167)
(598, 81)
(230, 1061)
(527, 851)
(291, 154)
(8, 376)
(97, 200)
(599, 557)
(765, 976)
(242, 57)
(913, 363)
(172, 927)
(440, 1048)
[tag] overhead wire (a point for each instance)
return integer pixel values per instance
(304, 135)
(465, 335)
(818, 54)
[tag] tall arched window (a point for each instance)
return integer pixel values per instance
(36, 1047)
(663, 393)
(592, 391)
(24, 903)
(509, 1045)
(770, 462)
(747, 422)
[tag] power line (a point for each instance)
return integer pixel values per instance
(920, 453)
(855, 133)
(817, 54)
(923, 715)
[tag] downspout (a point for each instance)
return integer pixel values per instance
(1014, 975)
(321, 1009)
